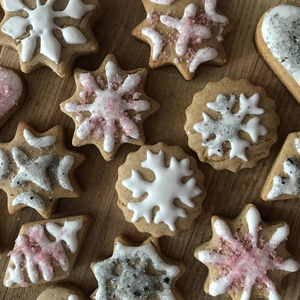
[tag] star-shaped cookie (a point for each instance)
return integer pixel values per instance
(50, 33)
(36, 169)
(184, 33)
(137, 272)
(109, 107)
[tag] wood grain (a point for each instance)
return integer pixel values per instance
(227, 192)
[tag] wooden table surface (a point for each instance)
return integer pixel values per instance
(227, 192)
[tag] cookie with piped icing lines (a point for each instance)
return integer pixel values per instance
(54, 40)
(62, 292)
(36, 169)
(109, 107)
(231, 124)
(184, 33)
(160, 189)
(12, 93)
(45, 251)
(246, 257)
(137, 272)
(283, 181)
(278, 42)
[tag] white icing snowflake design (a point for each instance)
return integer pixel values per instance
(110, 109)
(162, 192)
(41, 19)
(35, 254)
(244, 262)
(228, 126)
(133, 281)
(290, 185)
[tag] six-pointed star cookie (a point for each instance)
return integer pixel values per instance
(109, 107)
(56, 39)
(184, 33)
(36, 169)
(137, 272)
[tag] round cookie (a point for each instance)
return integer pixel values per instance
(62, 292)
(231, 124)
(160, 189)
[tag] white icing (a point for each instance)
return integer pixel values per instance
(163, 2)
(4, 164)
(156, 39)
(109, 107)
(210, 10)
(63, 169)
(73, 297)
(31, 170)
(39, 143)
(203, 55)
(254, 262)
(281, 32)
(162, 192)
(134, 279)
(30, 199)
(228, 126)
(43, 27)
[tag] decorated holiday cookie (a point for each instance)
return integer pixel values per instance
(160, 189)
(283, 181)
(62, 292)
(45, 251)
(12, 93)
(49, 32)
(278, 42)
(109, 107)
(36, 169)
(137, 272)
(231, 124)
(246, 257)
(184, 33)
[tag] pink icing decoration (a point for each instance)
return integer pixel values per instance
(152, 17)
(10, 90)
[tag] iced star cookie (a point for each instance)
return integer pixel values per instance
(36, 169)
(184, 33)
(160, 189)
(246, 257)
(45, 251)
(278, 42)
(109, 107)
(54, 40)
(231, 124)
(12, 93)
(62, 292)
(283, 181)
(137, 272)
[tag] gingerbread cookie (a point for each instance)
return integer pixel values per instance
(45, 251)
(283, 181)
(184, 33)
(160, 189)
(56, 39)
(137, 272)
(36, 169)
(246, 257)
(12, 93)
(62, 292)
(109, 107)
(231, 124)
(278, 42)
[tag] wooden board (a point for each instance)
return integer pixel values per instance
(227, 192)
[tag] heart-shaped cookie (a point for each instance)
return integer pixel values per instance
(12, 93)
(278, 42)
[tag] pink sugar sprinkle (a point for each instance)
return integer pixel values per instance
(152, 17)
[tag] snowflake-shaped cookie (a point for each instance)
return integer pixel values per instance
(185, 35)
(36, 258)
(283, 181)
(245, 256)
(109, 107)
(157, 192)
(37, 169)
(48, 40)
(136, 272)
